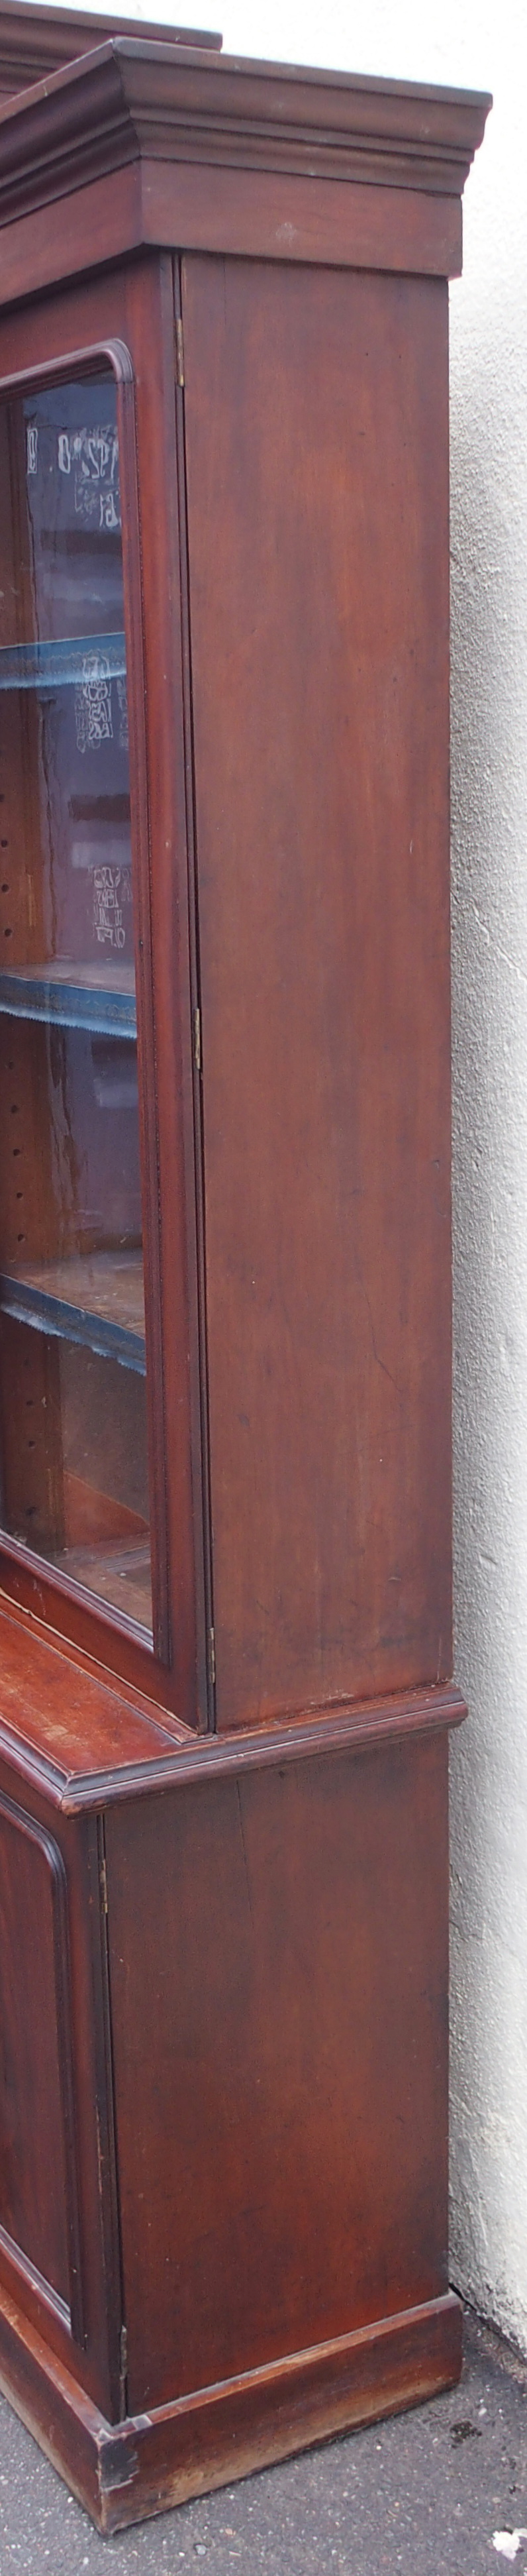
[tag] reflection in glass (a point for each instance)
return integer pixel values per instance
(72, 1335)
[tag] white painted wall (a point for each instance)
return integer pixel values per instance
(482, 44)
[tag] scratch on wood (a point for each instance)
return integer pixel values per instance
(380, 1363)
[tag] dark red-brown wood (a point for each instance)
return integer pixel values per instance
(36, 40)
(279, 2065)
(223, 1894)
(59, 2239)
(200, 152)
(138, 311)
(148, 2464)
(319, 619)
(278, 2044)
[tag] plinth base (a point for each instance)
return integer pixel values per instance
(124, 2473)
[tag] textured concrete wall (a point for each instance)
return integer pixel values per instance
(483, 45)
(489, 783)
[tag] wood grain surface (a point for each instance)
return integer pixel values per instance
(36, 2036)
(196, 150)
(223, 2177)
(59, 2252)
(318, 516)
(278, 1977)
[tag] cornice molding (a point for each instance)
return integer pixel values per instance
(131, 100)
(36, 41)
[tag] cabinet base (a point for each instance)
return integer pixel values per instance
(143, 2466)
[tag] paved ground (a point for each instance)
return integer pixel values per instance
(422, 2494)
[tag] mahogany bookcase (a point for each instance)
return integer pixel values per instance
(225, 1655)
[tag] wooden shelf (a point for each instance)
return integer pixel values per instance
(73, 996)
(120, 1576)
(95, 1299)
(60, 661)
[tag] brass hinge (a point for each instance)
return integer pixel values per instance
(212, 1647)
(104, 1886)
(197, 1040)
(180, 363)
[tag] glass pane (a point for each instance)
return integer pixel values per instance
(72, 1334)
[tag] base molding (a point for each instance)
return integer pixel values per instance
(122, 2473)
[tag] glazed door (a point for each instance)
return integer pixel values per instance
(100, 1488)
(72, 1314)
